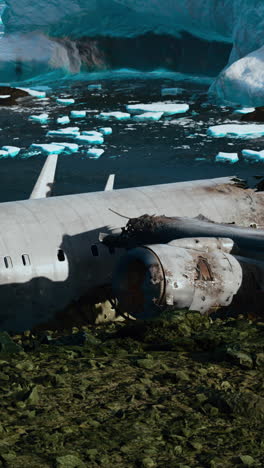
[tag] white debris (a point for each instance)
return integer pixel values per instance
(167, 109)
(78, 114)
(68, 131)
(171, 91)
(68, 147)
(253, 155)
(4, 154)
(236, 130)
(41, 118)
(244, 110)
(90, 139)
(227, 157)
(63, 120)
(65, 102)
(148, 116)
(12, 150)
(34, 92)
(48, 148)
(95, 153)
(93, 87)
(106, 130)
(114, 115)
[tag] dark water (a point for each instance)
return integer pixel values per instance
(138, 153)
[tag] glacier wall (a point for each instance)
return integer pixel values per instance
(239, 23)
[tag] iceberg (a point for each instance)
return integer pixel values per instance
(92, 133)
(3, 154)
(236, 131)
(12, 150)
(48, 148)
(65, 102)
(41, 118)
(148, 116)
(244, 110)
(68, 131)
(106, 130)
(254, 156)
(227, 157)
(95, 153)
(114, 115)
(166, 109)
(78, 114)
(63, 120)
(90, 139)
(68, 147)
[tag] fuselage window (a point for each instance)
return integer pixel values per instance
(8, 262)
(94, 250)
(111, 250)
(61, 255)
(26, 260)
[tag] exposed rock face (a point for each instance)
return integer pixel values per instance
(10, 96)
(256, 116)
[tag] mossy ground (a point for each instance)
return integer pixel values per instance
(179, 392)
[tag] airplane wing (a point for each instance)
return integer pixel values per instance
(45, 182)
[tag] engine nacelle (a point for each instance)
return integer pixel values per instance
(195, 274)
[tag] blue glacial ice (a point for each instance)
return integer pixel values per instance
(236, 131)
(114, 115)
(63, 120)
(95, 153)
(91, 139)
(41, 118)
(166, 109)
(94, 87)
(244, 110)
(78, 114)
(227, 157)
(171, 91)
(148, 116)
(47, 148)
(65, 101)
(106, 130)
(254, 156)
(68, 131)
(12, 150)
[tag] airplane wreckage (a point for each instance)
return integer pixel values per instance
(54, 251)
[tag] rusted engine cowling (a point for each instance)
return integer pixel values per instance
(150, 278)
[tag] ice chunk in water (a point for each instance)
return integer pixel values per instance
(171, 91)
(92, 133)
(78, 114)
(148, 116)
(95, 153)
(4, 154)
(48, 148)
(114, 115)
(226, 157)
(91, 139)
(68, 131)
(63, 120)
(34, 92)
(12, 150)
(244, 110)
(236, 131)
(68, 147)
(253, 155)
(167, 109)
(93, 87)
(106, 130)
(42, 118)
(65, 102)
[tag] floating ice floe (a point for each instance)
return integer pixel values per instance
(93, 87)
(114, 115)
(78, 114)
(65, 102)
(12, 150)
(5, 96)
(167, 109)
(68, 131)
(251, 155)
(4, 154)
(227, 157)
(244, 110)
(106, 130)
(236, 131)
(92, 133)
(63, 120)
(48, 148)
(148, 116)
(95, 153)
(68, 147)
(90, 139)
(41, 118)
(34, 92)
(171, 91)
